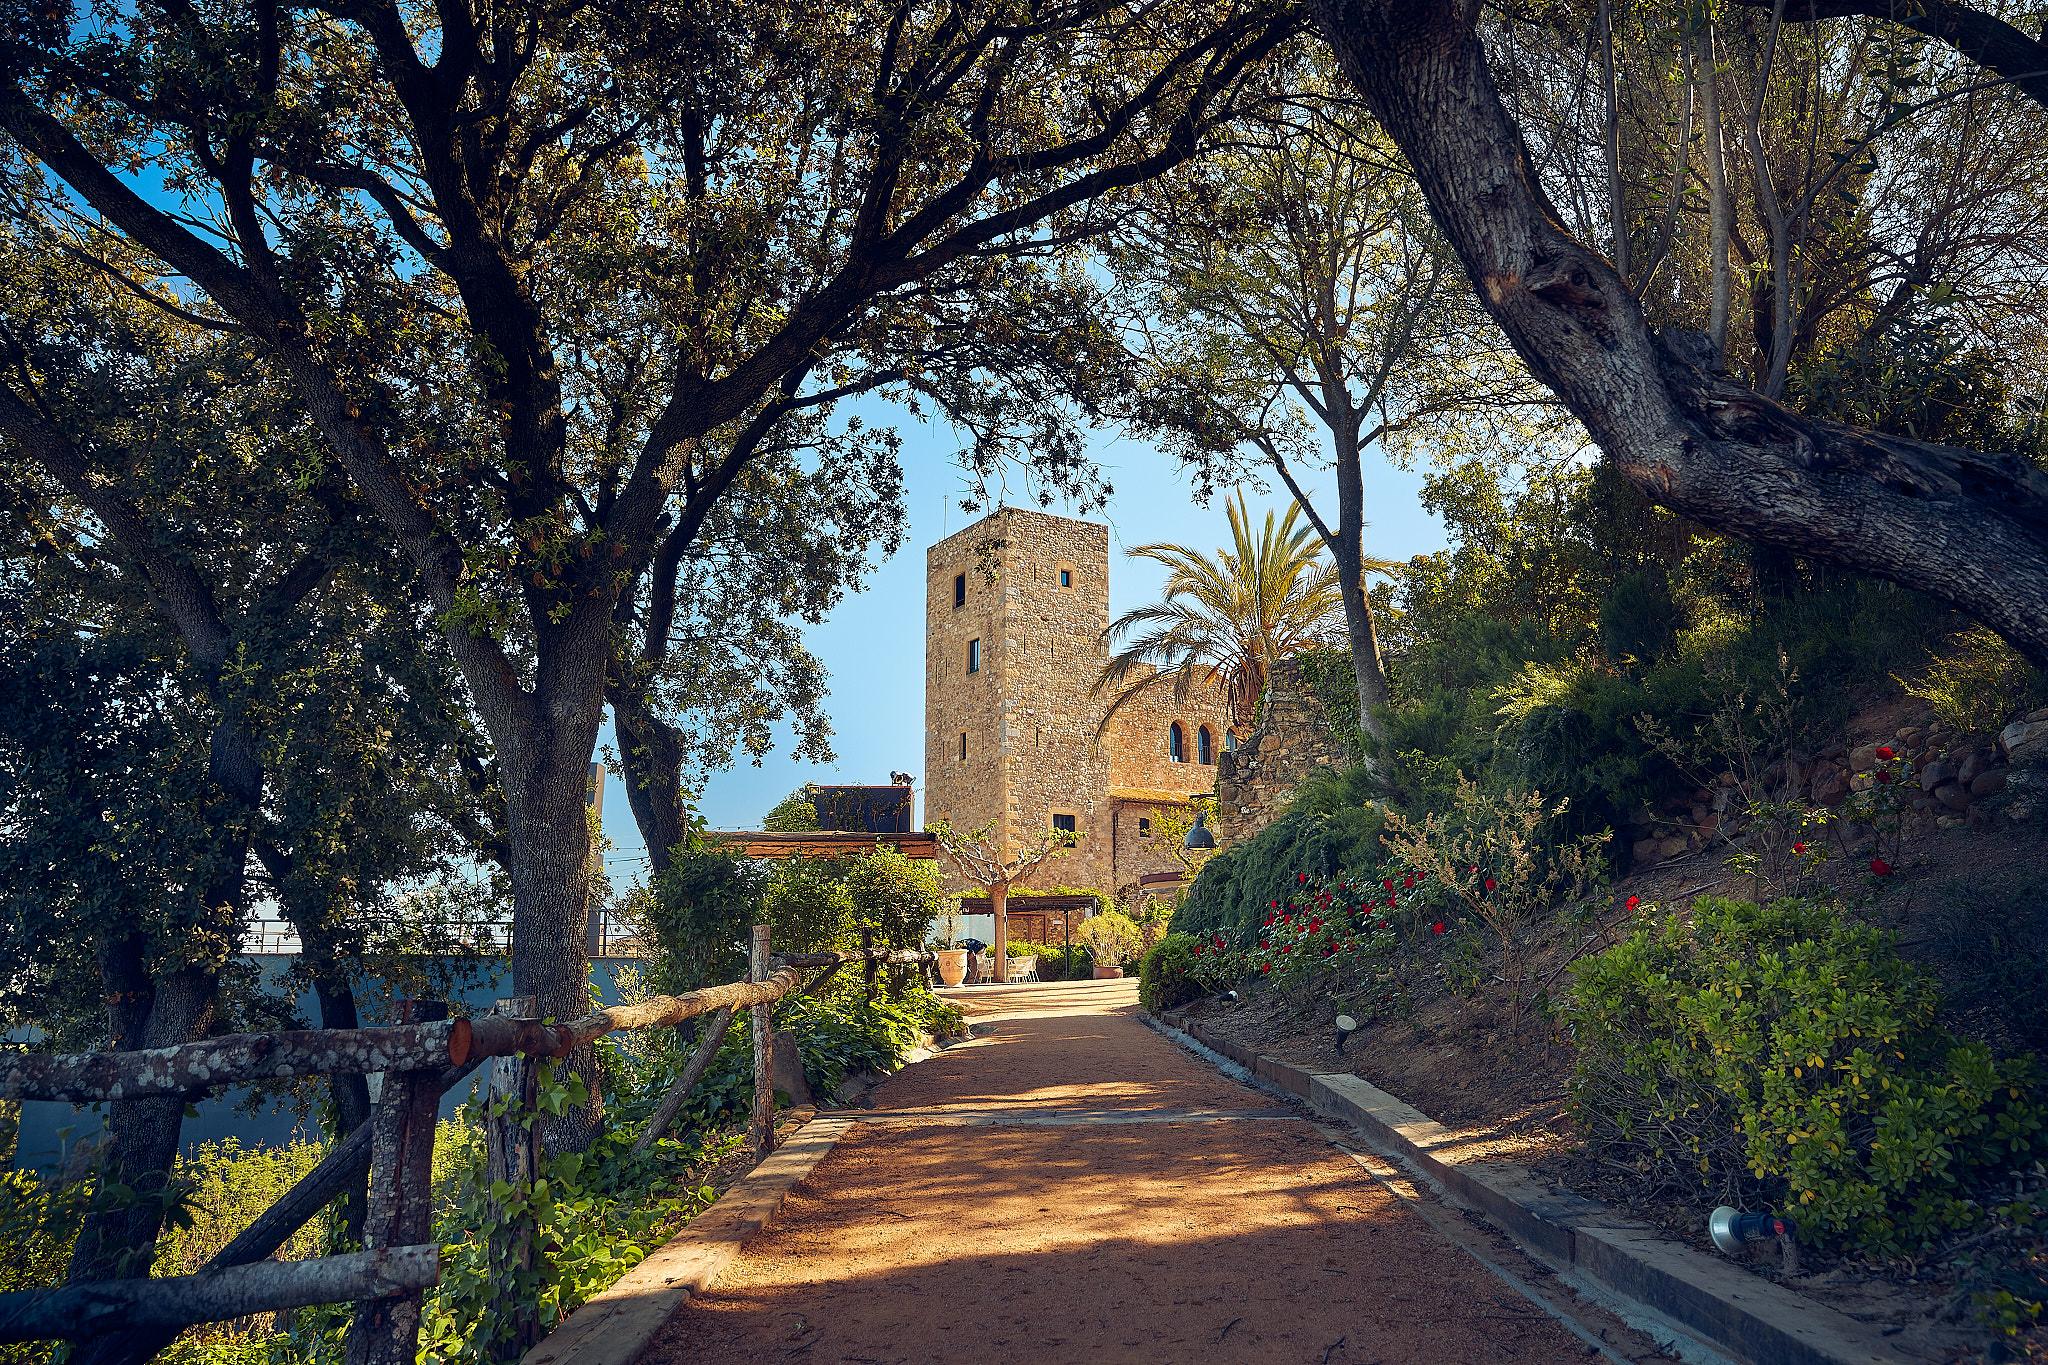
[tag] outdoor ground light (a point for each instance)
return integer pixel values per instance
(1346, 1026)
(1731, 1230)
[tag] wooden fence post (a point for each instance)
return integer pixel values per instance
(762, 1026)
(386, 1331)
(512, 1154)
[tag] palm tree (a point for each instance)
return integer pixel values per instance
(1223, 621)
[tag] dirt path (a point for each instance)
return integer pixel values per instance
(1071, 1186)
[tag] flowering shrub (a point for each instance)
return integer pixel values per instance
(1782, 1055)
(1486, 861)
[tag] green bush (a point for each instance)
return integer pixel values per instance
(1784, 1055)
(1332, 827)
(1166, 978)
(1979, 682)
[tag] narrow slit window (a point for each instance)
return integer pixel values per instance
(960, 590)
(963, 746)
(974, 656)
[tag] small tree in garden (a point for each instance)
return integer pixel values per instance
(1486, 858)
(1112, 937)
(979, 856)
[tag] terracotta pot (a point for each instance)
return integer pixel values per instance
(1108, 973)
(952, 965)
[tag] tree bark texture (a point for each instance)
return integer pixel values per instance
(237, 1059)
(762, 1028)
(546, 811)
(651, 753)
(92, 1309)
(401, 1210)
(1968, 527)
(512, 1155)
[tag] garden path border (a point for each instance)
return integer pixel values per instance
(615, 1325)
(1724, 1307)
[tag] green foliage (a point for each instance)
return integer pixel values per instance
(1058, 962)
(806, 905)
(700, 914)
(1979, 682)
(1783, 1055)
(793, 814)
(1166, 976)
(1333, 824)
(1638, 616)
(1111, 937)
(895, 898)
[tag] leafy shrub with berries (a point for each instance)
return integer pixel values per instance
(1783, 1055)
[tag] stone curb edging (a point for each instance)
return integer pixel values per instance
(1726, 1307)
(616, 1324)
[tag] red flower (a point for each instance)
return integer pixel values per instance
(1314, 925)
(1408, 882)
(1272, 905)
(1388, 884)
(1885, 775)
(1472, 871)
(1265, 943)
(1799, 848)
(1490, 883)
(1198, 949)
(1219, 943)
(1884, 752)
(1266, 967)
(1287, 947)
(1437, 928)
(1632, 902)
(1880, 867)
(1301, 879)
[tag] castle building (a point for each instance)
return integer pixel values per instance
(1015, 610)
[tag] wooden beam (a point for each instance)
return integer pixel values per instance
(78, 1311)
(237, 1059)
(823, 843)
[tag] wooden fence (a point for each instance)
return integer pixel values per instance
(419, 1058)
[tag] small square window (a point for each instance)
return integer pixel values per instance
(974, 656)
(1066, 578)
(960, 590)
(1063, 822)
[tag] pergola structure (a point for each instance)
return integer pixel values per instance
(1037, 918)
(826, 843)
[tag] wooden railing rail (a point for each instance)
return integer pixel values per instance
(419, 1059)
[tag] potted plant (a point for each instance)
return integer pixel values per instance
(952, 957)
(1113, 940)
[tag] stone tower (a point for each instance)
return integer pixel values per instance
(1015, 609)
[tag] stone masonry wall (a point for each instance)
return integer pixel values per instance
(1029, 714)
(1294, 740)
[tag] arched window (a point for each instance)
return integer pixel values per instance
(1229, 741)
(1205, 746)
(1176, 743)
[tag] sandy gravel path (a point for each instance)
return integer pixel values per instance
(1069, 1186)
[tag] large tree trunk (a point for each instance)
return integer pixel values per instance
(546, 813)
(1968, 527)
(651, 752)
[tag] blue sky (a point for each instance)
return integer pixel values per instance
(873, 644)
